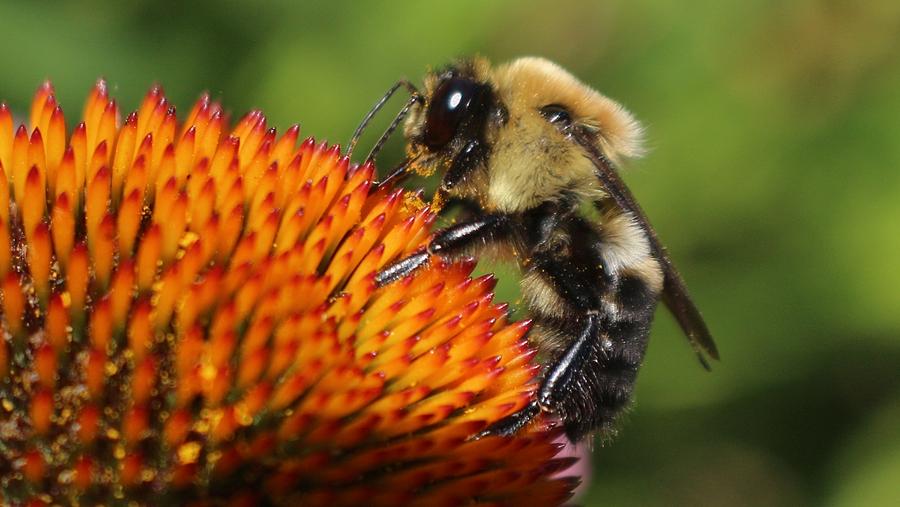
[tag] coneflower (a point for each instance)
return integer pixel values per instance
(189, 316)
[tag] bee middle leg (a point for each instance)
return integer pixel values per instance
(449, 243)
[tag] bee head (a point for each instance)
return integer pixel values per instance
(457, 106)
(459, 103)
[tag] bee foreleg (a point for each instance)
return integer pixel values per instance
(449, 243)
(469, 157)
(397, 175)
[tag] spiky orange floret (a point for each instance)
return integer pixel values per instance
(190, 315)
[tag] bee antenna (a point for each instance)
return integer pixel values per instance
(391, 128)
(415, 97)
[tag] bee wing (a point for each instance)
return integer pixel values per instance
(675, 294)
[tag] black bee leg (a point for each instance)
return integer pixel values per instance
(401, 268)
(579, 285)
(510, 424)
(397, 175)
(463, 236)
(449, 243)
(470, 157)
(559, 377)
(556, 379)
(463, 210)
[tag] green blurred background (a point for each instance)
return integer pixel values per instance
(772, 176)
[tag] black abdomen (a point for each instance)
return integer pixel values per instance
(592, 325)
(602, 377)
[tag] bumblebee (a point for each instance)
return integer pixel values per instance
(533, 151)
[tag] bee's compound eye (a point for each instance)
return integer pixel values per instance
(451, 100)
(556, 114)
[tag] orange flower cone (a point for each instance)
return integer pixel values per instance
(189, 316)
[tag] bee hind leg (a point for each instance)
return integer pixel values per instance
(512, 423)
(560, 376)
(557, 381)
(569, 381)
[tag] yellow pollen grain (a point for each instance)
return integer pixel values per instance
(213, 457)
(202, 426)
(188, 239)
(208, 372)
(419, 168)
(437, 202)
(242, 415)
(189, 452)
(213, 416)
(412, 203)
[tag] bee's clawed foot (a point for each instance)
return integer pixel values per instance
(512, 423)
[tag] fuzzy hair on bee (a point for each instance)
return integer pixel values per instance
(527, 146)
